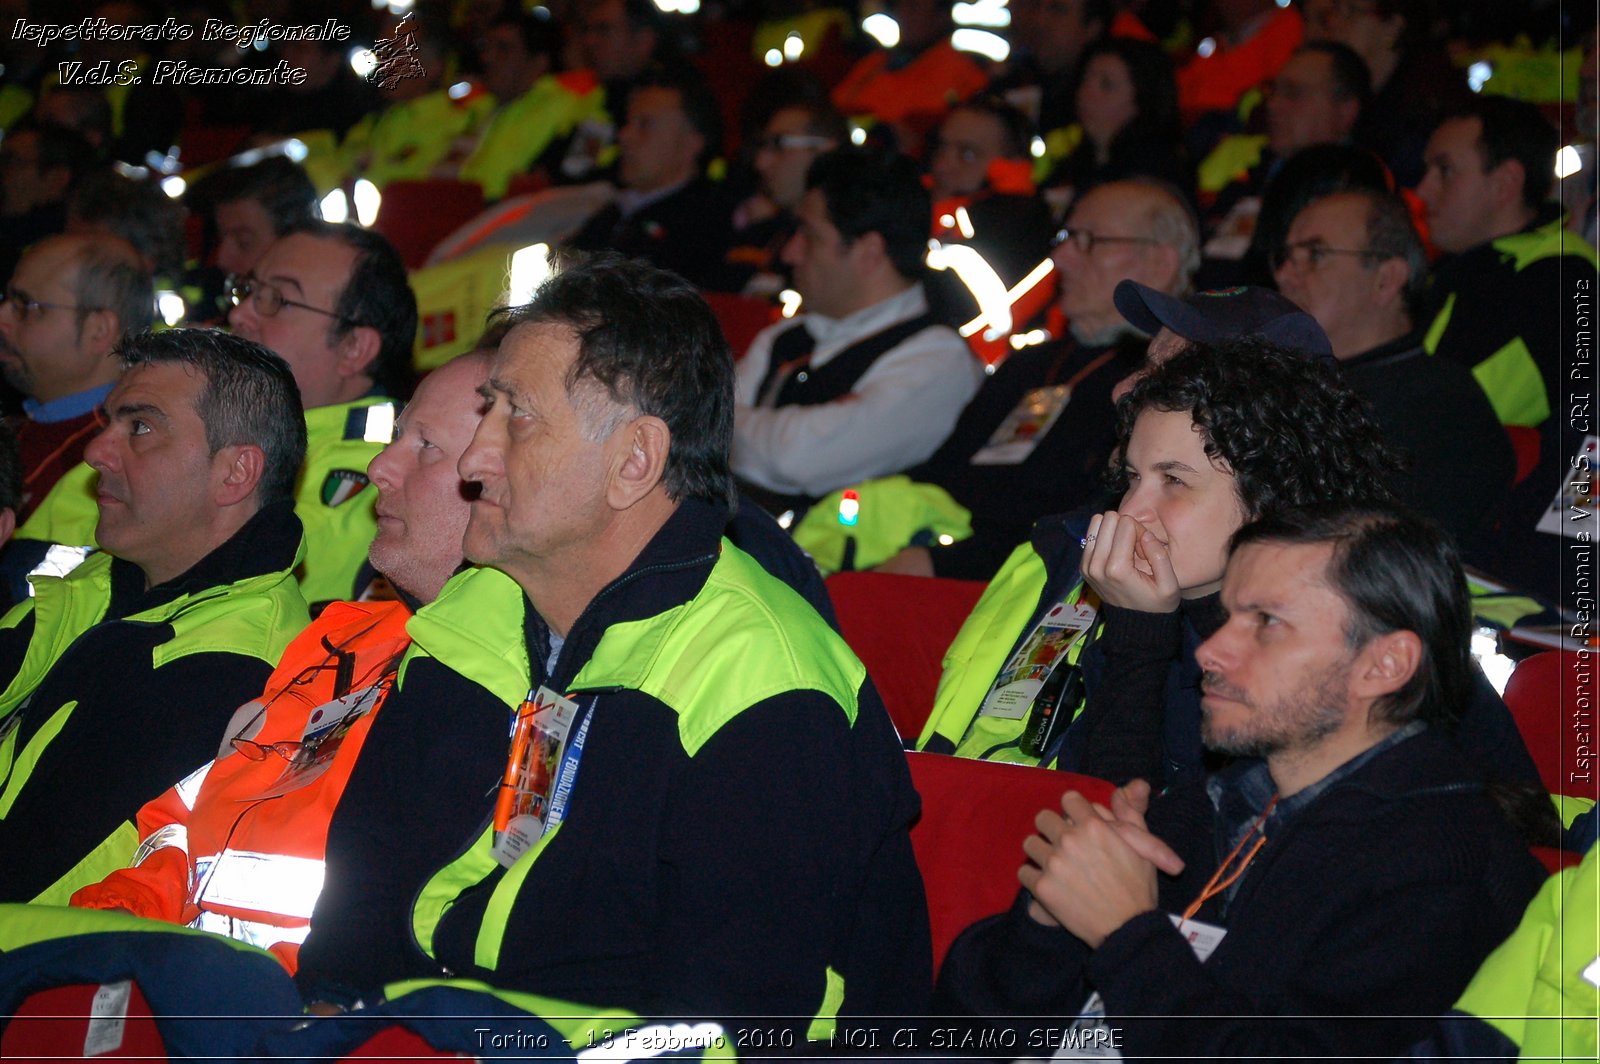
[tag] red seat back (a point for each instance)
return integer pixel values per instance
(416, 215)
(741, 317)
(975, 815)
(900, 627)
(400, 1043)
(1551, 696)
(56, 1023)
(1525, 444)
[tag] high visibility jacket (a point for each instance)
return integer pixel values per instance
(405, 141)
(519, 132)
(1512, 345)
(880, 518)
(696, 669)
(66, 700)
(1214, 82)
(334, 499)
(1536, 997)
(917, 93)
(1021, 589)
(227, 849)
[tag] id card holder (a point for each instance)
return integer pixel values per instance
(1025, 426)
(537, 745)
(1024, 675)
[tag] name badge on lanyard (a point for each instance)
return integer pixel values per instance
(1025, 426)
(540, 770)
(1019, 682)
(1091, 1038)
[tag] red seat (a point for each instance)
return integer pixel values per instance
(1552, 697)
(55, 1023)
(1555, 860)
(400, 1043)
(416, 215)
(1525, 443)
(900, 627)
(975, 815)
(741, 317)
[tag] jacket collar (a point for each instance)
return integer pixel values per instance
(670, 571)
(269, 542)
(483, 627)
(1397, 350)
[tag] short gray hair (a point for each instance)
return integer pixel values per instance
(1390, 235)
(1169, 220)
(109, 278)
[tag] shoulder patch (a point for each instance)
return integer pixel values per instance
(340, 485)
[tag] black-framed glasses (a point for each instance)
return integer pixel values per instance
(268, 299)
(26, 307)
(1309, 254)
(1085, 240)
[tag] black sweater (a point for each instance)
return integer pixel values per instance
(1363, 916)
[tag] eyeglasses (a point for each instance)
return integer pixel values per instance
(793, 142)
(342, 663)
(1308, 254)
(268, 299)
(1085, 240)
(26, 308)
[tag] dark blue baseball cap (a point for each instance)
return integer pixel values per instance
(1225, 314)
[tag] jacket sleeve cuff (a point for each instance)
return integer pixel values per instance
(1141, 634)
(1120, 969)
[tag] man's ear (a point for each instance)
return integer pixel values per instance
(1160, 267)
(101, 330)
(1392, 275)
(8, 524)
(1386, 664)
(358, 351)
(869, 249)
(642, 460)
(239, 468)
(1507, 180)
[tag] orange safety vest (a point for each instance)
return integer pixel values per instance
(237, 847)
(919, 94)
(1215, 82)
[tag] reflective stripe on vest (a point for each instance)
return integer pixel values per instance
(188, 788)
(255, 932)
(262, 882)
(165, 837)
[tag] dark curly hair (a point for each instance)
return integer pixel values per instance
(1292, 433)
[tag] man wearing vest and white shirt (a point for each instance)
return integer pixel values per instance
(868, 382)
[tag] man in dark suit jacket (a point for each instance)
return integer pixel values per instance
(667, 211)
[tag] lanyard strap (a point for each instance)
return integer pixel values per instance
(1223, 877)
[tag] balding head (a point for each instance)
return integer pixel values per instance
(1139, 230)
(74, 297)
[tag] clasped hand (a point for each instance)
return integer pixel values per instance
(1094, 868)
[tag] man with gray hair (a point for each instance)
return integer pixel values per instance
(70, 301)
(1353, 261)
(1018, 451)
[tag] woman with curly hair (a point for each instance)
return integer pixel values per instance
(1107, 613)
